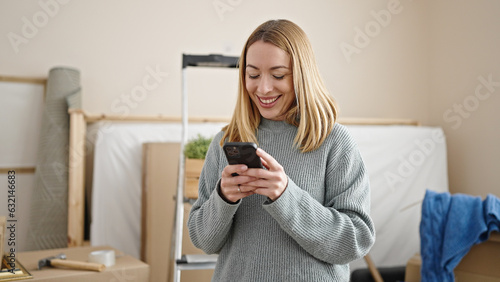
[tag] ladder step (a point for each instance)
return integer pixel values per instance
(198, 259)
(192, 262)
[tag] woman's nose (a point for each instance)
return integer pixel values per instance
(265, 85)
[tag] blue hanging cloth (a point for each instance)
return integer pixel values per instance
(450, 226)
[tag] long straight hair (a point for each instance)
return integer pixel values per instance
(314, 111)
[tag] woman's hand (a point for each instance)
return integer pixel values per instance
(271, 182)
(231, 184)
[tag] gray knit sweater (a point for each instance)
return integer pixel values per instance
(311, 232)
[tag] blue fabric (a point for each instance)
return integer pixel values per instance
(450, 226)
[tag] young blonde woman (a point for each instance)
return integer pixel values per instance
(306, 215)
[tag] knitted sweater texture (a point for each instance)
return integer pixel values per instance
(311, 232)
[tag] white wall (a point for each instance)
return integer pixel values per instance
(415, 65)
(465, 43)
(113, 43)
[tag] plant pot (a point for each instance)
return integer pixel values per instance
(192, 177)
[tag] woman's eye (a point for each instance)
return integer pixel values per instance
(253, 76)
(279, 76)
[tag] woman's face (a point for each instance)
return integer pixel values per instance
(269, 79)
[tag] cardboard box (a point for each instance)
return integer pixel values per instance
(480, 264)
(126, 267)
(412, 272)
(192, 170)
(159, 186)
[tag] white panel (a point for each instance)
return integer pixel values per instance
(116, 197)
(402, 162)
(21, 107)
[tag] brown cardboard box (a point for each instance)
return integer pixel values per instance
(412, 272)
(482, 263)
(126, 267)
(159, 184)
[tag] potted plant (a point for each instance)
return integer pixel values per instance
(194, 152)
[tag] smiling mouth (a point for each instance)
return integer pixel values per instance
(268, 101)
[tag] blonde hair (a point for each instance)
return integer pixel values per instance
(314, 111)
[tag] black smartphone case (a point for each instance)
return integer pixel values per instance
(242, 153)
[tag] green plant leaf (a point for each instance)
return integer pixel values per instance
(197, 148)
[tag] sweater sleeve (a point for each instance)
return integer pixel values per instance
(211, 217)
(339, 231)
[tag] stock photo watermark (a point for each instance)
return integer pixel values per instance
(483, 91)
(31, 26)
(363, 36)
(139, 93)
(122, 105)
(10, 236)
(224, 6)
(409, 164)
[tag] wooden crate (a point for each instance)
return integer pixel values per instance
(192, 177)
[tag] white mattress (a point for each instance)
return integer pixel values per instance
(402, 162)
(116, 197)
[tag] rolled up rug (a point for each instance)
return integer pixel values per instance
(49, 203)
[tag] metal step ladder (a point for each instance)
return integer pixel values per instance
(191, 262)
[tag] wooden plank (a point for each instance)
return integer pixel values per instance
(377, 121)
(76, 179)
(3, 224)
(18, 170)
(90, 118)
(373, 270)
(19, 79)
(36, 80)
(161, 118)
(144, 202)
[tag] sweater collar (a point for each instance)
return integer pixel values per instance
(275, 125)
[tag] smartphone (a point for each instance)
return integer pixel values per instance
(242, 153)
